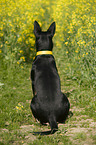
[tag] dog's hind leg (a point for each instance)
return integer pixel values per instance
(33, 107)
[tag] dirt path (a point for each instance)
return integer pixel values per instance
(80, 129)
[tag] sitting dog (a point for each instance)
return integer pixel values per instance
(49, 104)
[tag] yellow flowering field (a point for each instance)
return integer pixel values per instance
(75, 29)
(16, 26)
(76, 26)
(76, 35)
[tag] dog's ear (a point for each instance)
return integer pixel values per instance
(37, 28)
(51, 29)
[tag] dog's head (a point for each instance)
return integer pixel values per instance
(44, 38)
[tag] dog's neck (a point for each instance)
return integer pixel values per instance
(43, 52)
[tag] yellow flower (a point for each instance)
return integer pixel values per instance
(1, 34)
(0, 51)
(19, 104)
(23, 58)
(31, 40)
(33, 58)
(6, 42)
(18, 62)
(66, 52)
(21, 51)
(19, 39)
(66, 43)
(83, 55)
(76, 51)
(27, 42)
(17, 107)
(22, 66)
(32, 49)
(87, 53)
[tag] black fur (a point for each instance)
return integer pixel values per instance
(49, 104)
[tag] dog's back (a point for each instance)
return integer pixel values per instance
(47, 81)
(49, 104)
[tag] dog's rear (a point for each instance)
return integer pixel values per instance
(49, 104)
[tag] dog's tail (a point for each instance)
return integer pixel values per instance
(53, 124)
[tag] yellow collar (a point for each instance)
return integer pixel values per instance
(43, 52)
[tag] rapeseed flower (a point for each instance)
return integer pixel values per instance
(31, 49)
(22, 58)
(21, 51)
(18, 62)
(22, 66)
(19, 107)
(66, 43)
(76, 51)
(83, 55)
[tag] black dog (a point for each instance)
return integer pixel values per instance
(49, 104)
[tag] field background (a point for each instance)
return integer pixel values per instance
(75, 55)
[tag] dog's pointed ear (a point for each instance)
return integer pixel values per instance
(37, 28)
(51, 29)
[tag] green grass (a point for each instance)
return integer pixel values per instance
(16, 88)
